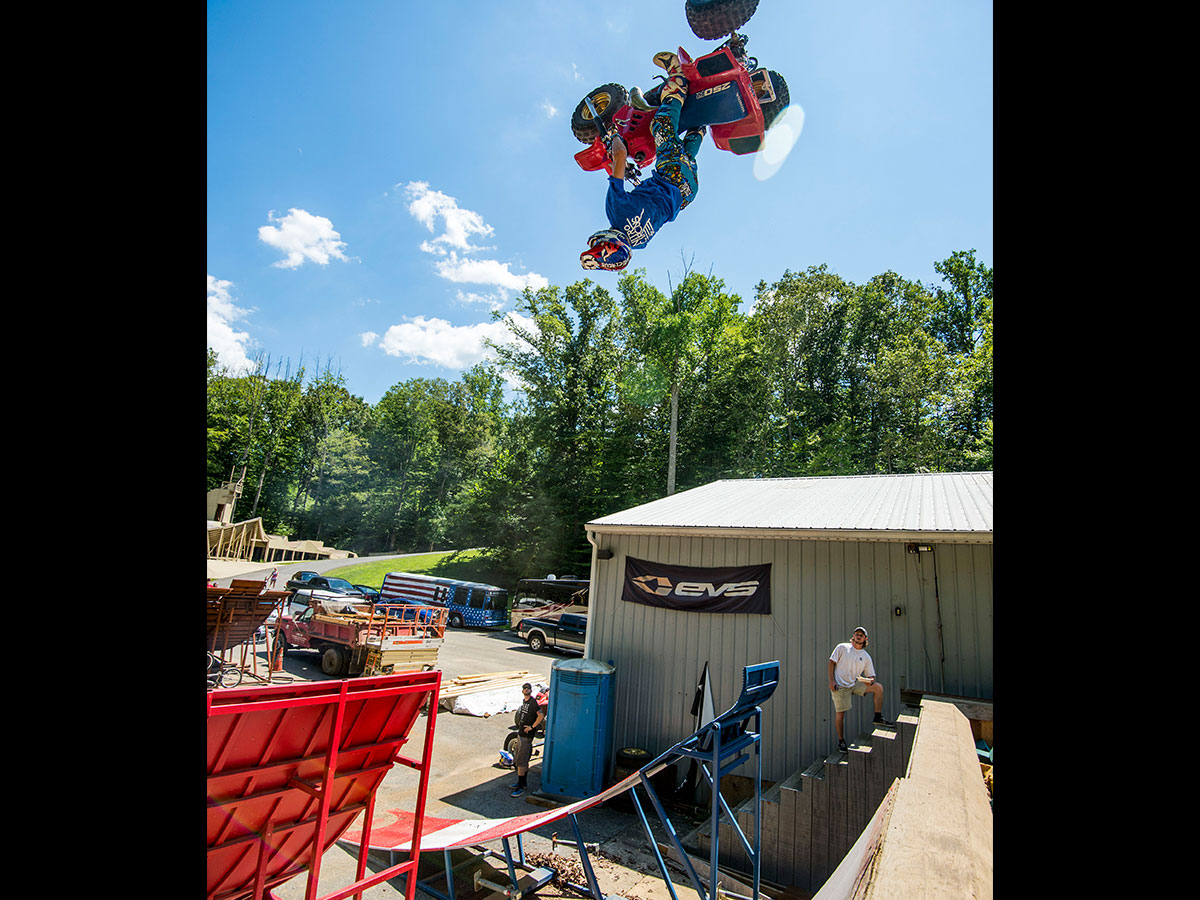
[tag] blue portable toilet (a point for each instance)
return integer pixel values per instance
(579, 739)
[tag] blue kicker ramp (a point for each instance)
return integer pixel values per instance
(724, 743)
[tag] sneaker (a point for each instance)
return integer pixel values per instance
(519, 792)
(880, 720)
(842, 748)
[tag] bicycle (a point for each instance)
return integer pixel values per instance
(221, 673)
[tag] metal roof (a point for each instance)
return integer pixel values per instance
(852, 507)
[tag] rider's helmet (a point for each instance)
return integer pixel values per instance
(606, 250)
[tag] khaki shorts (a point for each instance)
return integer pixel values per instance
(524, 751)
(842, 696)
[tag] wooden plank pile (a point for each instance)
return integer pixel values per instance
(481, 683)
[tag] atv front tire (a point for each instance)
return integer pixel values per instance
(712, 19)
(607, 99)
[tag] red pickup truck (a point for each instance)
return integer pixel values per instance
(357, 639)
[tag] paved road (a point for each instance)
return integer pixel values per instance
(461, 743)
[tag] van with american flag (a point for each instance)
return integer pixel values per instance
(467, 603)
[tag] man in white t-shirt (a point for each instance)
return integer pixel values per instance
(851, 672)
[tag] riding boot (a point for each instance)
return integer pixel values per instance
(665, 59)
(677, 84)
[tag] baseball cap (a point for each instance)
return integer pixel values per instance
(863, 630)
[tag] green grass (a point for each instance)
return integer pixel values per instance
(465, 565)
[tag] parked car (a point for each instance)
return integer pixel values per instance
(299, 580)
(565, 631)
(369, 592)
(336, 585)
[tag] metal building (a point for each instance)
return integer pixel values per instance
(908, 557)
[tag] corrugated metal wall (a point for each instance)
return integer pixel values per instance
(820, 591)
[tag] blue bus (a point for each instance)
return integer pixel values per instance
(466, 602)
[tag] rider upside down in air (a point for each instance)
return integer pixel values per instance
(635, 217)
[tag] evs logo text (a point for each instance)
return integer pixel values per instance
(657, 584)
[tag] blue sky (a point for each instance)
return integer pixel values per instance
(382, 174)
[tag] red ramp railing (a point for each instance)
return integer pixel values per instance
(291, 766)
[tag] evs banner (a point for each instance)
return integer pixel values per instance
(729, 589)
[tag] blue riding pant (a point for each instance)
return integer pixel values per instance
(675, 158)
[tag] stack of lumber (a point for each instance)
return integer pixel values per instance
(486, 681)
(483, 683)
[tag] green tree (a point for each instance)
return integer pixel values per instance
(673, 337)
(404, 448)
(568, 366)
(801, 323)
(332, 472)
(962, 321)
(251, 433)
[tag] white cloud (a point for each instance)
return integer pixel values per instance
(436, 341)
(301, 236)
(368, 338)
(549, 109)
(231, 345)
(487, 271)
(429, 207)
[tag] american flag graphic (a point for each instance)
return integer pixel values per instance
(421, 588)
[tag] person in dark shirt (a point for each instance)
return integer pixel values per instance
(529, 717)
(635, 216)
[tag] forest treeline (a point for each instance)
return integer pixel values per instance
(624, 397)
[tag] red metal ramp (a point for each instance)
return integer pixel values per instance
(446, 834)
(290, 767)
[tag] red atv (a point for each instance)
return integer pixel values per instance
(727, 91)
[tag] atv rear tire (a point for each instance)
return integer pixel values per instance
(607, 99)
(773, 110)
(713, 19)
